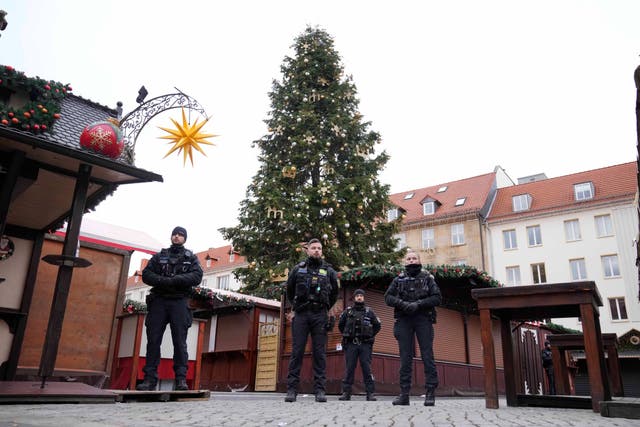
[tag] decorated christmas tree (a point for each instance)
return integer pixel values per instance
(317, 177)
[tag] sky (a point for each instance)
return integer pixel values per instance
(455, 88)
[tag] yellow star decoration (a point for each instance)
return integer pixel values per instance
(186, 137)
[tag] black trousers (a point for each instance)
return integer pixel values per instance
(160, 313)
(405, 328)
(353, 353)
(305, 323)
(551, 378)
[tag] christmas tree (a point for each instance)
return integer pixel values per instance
(317, 177)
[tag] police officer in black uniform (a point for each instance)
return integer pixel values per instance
(172, 273)
(312, 289)
(359, 326)
(414, 295)
(547, 365)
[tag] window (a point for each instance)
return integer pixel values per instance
(513, 275)
(618, 309)
(429, 208)
(232, 256)
(442, 189)
(521, 202)
(459, 262)
(461, 201)
(509, 238)
(457, 234)
(539, 273)
(578, 269)
(583, 191)
(572, 230)
(534, 235)
(204, 282)
(141, 297)
(610, 265)
(428, 238)
(402, 240)
(603, 226)
(127, 296)
(392, 214)
(208, 262)
(408, 196)
(223, 282)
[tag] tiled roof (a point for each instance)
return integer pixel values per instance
(220, 259)
(618, 182)
(76, 113)
(475, 190)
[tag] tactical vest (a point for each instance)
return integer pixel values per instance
(312, 286)
(172, 263)
(413, 288)
(358, 324)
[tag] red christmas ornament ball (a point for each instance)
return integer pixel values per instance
(104, 138)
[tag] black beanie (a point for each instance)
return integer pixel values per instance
(358, 292)
(180, 230)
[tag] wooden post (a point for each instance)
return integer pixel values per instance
(200, 347)
(135, 361)
(613, 364)
(594, 353)
(489, 360)
(560, 370)
(508, 356)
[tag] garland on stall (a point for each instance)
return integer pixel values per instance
(42, 107)
(131, 306)
(216, 301)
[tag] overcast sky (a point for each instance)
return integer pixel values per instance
(454, 87)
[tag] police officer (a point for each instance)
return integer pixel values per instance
(414, 295)
(312, 289)
(171, 273)
(547, 365)
(359, 326)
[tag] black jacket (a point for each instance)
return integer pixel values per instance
(173, 272)
(422, 289)
(301, 291)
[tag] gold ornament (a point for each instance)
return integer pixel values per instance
(323, 81)
(289, 171)
(187, 137)
(277, 213)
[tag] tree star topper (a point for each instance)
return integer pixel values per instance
(186, 137)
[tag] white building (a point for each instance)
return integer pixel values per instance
(571, 228)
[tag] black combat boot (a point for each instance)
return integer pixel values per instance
(371, 397)
(181, 385)
(147, 385)
(345, 396)
(291, 396)
(430, 397)
(320, 396)
(402, 399)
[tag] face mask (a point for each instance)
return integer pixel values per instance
(413, 269)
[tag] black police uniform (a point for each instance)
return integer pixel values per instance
(172, 273)
(359, 326)
(547, 364)
(414, 295)
(312, 289)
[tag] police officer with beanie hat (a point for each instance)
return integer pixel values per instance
(171, 273)
(414, 295)
(312, 289)
(359, 325)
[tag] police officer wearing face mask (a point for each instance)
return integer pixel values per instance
(359, 326)
(171, 273)
(312, 289)
(414, 295)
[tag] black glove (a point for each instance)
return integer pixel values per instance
(331, 322)
(403, 305)
(411, 307)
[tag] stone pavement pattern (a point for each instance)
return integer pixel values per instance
(269, 409)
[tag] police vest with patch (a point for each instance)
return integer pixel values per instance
(358, 324)
(413, 289)
(172, 263)
(312, 286)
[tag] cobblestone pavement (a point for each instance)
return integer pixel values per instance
(269, 409)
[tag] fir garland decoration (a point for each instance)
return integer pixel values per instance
(42, 107)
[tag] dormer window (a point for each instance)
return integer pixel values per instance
(208, 262)
(583, 191)
(521, 202)
(429, 208)
(442, 189)
(392, 214)
(460, 201)
(409, 196)
(232, 256)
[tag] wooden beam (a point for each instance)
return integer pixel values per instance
(489, 359)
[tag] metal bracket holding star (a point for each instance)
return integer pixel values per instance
(187, 137)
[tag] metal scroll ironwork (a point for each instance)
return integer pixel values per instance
(133, 123)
